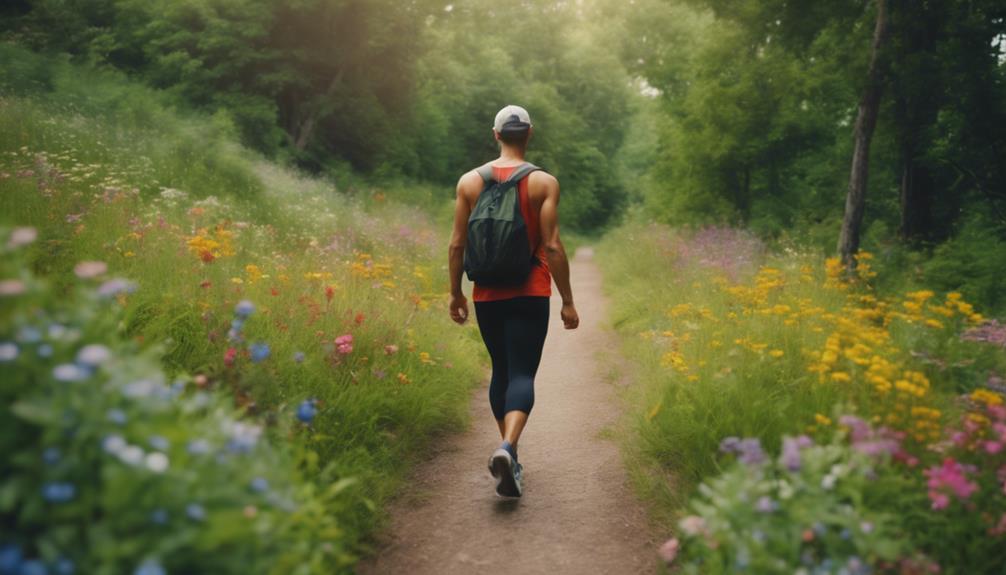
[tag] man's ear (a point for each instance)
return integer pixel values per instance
(496, 135)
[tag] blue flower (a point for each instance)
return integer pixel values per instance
(259, 352)
(8, 351)
(158, 443)
(58, 491)
(113, 444)
(33, 567)
(51, 455)
(44, 351)
(150, 567)
(69, 372)
(306, 411)
(29, 334)
(260, 485)
(198, 447)
(117, 416)
(159, 517)
(298, 357)
(244, 308)
(10, 559)
(195, 512)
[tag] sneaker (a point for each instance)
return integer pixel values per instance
(507, 473)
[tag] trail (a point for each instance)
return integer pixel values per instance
(577, 514)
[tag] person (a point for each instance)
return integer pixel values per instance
(513, 320)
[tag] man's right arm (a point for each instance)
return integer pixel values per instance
(558, 264)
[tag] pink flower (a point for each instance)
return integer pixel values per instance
(88, 270)
(390, 349)
(993, 447)
(344, 344)
(669, 550)
(950, 477)
(229, 356)
(11, 287)
(22, 237)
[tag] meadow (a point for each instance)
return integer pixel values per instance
(212, 361)
(791, 418)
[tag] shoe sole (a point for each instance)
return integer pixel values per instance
(501, 467)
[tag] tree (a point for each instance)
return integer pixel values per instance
(866, 121)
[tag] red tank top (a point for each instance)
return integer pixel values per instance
(539, 281)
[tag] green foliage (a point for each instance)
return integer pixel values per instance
(112, 464)
(199, 224)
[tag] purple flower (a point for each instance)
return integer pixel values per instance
(748, 450)
(116, 286)
(766, 504)
(791, 446)
(244, 308)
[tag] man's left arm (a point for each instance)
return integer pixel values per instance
(456, 250)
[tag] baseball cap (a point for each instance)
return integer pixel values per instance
(512, 119)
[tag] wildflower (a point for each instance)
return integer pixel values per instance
(390, 349)
(669, 550)
(403, 379)
(69, 372)
(195, 512)
(158, 442)
(90, 269)
(115, 287)
(229, 356)
(244, 308)
(259, 485)
(22, 237)
(748, 450)
(776, 353)
(693, 525)
(329, 293)
(198, 447)
(298, 357)
(8, 351)
(58, 492)
(344, 344)
(116, 416)
(306, 411)
(259, 352)
(790, 457)
(92, 356)
(157, 462)
(950, 477)
(131, 455)
(766, 504)
(11, 287)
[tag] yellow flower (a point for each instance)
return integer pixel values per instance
(840, 376)
(777, 353)
(987, 397)
(934, 323)
(822, 419)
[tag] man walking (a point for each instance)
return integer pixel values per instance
(512, 312)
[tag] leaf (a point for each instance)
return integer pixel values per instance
(39, 413)
(341, 485)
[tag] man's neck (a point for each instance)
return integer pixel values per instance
(512, 153)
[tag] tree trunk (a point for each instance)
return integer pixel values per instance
(866, 121)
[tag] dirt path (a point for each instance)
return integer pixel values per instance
(577, 514)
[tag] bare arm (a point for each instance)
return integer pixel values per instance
(456, 249)
(555, 253)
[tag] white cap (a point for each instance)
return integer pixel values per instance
(512, 118)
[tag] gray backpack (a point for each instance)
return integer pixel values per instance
(498, 252)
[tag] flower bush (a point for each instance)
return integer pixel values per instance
(760, 354)
(112, 466)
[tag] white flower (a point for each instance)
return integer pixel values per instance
(69, 372)
(93, 355)
(113, 444)
(8, 351)
(157, 462)
(131, 455)
(22, 237)
(90, 269)
(828, 482)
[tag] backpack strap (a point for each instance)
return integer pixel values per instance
(486, 172)
(522, 171)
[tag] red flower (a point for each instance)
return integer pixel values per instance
(359, 318)
(329, 292)
(205, 284)
(229, 356)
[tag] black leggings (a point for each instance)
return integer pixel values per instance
(514, 333)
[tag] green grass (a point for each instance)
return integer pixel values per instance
(96, 164)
